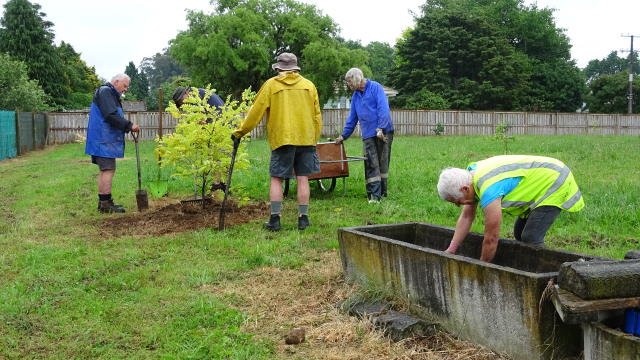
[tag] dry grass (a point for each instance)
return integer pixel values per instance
(278, 300)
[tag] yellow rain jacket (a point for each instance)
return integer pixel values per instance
(293, 111)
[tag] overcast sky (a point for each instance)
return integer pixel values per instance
(109, 34)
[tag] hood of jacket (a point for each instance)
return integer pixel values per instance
(288, 77)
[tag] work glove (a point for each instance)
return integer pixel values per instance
(236, 140)
(339, 139)
(380, 135)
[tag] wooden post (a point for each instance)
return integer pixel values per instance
(18, 151)
(46, 128)
(160, 106)
(33, 131)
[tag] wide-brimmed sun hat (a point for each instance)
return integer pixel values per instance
(286, 62)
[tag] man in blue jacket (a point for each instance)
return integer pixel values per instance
(370, 107)
(105, 136)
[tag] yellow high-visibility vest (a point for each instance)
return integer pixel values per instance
(544, 181)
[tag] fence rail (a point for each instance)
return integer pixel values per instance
(71, 127)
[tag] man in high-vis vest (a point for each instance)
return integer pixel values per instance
(534, 188)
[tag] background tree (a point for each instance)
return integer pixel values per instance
(608, 94)
(26, 36)
(380, 60)
(17, 92)
(235, 46)
(160, 68)
(608, 84)
(487, 54)
(82, 78)
(139, 86)
(327, 62)
(610, 65)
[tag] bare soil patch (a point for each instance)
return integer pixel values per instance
(173, 216)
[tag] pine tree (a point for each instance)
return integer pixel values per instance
(139, 87)
(26, 36)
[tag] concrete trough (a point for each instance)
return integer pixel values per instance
(492, 304)
(605, 341)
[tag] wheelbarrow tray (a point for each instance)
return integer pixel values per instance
(333, 161)
(334, 164)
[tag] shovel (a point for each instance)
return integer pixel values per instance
(141, 195)
(236, 143)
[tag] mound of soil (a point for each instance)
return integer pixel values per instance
(162, 218)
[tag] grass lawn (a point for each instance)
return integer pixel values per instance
(68, 292)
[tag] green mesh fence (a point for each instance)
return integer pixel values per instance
(25, 133)
(31, 132)
(7, 134)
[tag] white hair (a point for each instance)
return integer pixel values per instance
(354, 77)
(120, 76)
(451, 181)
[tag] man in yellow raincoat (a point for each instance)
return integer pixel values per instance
(294, 122)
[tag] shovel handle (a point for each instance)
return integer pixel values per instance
(236, 144)
(134, 134)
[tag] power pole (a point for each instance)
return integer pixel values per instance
(630, 88)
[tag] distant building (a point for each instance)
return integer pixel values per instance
(344, 102)
(134, 105)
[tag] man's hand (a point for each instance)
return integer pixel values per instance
(236, 140)
(135, 128)
(452, 249)
(380, 135)
(339, 140)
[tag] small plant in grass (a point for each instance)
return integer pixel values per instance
(200, 147)
(439, 129)
(501, 135)
(157, 183)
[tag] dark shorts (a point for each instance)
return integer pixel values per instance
(285, 160)
(104, 163)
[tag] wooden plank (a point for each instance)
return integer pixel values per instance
(574, 310)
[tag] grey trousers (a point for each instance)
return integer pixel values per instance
(533, 229)
(377, 155)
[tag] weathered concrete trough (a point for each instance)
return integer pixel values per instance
(492, 304)
(604, 341)
(596, 294)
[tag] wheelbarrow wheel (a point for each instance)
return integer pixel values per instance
(327, 185)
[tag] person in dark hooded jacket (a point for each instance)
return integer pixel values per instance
(181, 92)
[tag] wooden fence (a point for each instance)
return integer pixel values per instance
(71, 126)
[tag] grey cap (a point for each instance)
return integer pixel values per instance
(286, 61)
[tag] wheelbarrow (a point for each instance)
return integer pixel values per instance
(334, 164)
